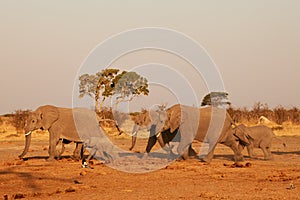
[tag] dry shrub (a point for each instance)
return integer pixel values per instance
(19, 119)
(279, 114)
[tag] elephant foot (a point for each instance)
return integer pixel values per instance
(268, 158)
(238, 158)
(146, 155)
(76, 158)
(50, 159)
(205, 160)
(253, 157)
(180, 159)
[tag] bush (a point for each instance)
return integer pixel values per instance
(278, 114)
(19, 119)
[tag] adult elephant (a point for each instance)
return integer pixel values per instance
(211, 125)
(154, 121)
(60, 124)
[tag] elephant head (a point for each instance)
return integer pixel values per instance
(141, 119)
(42, 119)
(242, 134)
(153, 120)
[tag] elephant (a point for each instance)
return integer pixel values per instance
(154, 122)
(259, 136)
(100, 148)
(209, 124)
(77, 151)
(146, 119)
(141, 121)
(61, 123)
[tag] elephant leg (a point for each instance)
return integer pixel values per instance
(92, 154)
(59, 154)
(210, 154)
(241, 147)
(151, 143)
(250, 151)
(78, 150)
(134, 136)
(191, 151)
(182, 150)
(266, 151)
(133, 140)
(269, 152)
(237, 150)
(186, 140)
(53, 141)
(152, 139)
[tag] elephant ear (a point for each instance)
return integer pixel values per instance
(242, 134)
(48, 115)
(175, 120)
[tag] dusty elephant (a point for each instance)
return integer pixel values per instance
(259, 136)
(211, 125)
(60, 124)
(77, 152)
(153, 121)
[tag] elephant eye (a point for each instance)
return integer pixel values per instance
(33, 121)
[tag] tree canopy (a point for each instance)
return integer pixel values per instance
(216, 99)
(108, 82)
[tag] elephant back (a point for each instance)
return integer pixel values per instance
(213, 124)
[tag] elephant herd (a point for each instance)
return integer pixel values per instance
(178, 123)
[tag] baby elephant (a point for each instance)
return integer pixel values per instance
(259, 137)
(100, 148)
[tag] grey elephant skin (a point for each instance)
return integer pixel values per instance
(259, 136)
(60, 124)
(153, 121)
(211, 125)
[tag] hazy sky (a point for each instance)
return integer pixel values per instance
(255, 44)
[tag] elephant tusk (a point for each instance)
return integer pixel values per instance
(26, 134)
(158, 134)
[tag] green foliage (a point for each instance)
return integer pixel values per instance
(108, 82)
(129, 85)
(216, 99)
(87, 85)
(93, 85)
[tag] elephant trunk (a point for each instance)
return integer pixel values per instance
(27, 144)
(134, 135)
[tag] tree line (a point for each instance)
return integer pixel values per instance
(278, 114)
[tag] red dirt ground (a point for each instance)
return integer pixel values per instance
(36, 178)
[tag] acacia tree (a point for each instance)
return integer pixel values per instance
(94, 85)
(129, 85)
(109, 82)
(216, 99)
